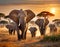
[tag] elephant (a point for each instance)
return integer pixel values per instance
(11, 27)
(21, 18)
(53, 28)
(33, 31)
(42, 23)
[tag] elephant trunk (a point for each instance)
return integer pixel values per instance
(42, 30)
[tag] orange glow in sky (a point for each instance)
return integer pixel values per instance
(53, 10)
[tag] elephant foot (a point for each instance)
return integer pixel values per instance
(13, 33)
(33, 35)
(23, 38)
(10, 33)
(19, 37)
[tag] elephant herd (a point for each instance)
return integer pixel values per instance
(21, 19)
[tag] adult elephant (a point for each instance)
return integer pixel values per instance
(21, 18)
(56, 22)
(42, 23)
(33, 31)
(53, 28)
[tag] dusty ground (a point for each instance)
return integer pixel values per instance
(7, 40)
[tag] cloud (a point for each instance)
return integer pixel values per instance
(28, 1)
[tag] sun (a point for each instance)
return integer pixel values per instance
(53, 10)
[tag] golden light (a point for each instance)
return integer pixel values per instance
(53, 10)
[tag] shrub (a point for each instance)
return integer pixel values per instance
(52, 38)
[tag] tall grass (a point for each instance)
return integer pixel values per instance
(52, 38)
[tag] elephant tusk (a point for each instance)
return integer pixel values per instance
(19, 24)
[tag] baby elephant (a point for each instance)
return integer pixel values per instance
(33, 31)
(12, 27)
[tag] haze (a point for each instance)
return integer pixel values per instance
(36, 6)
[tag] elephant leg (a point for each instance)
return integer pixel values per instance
(10, 32)
(31, 34)
(18, 34)
(55, 29)
(34, 34)
(51, 30)
(14, 32)
(42, 31)
(23, 35)
(24, 31)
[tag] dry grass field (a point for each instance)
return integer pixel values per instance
(7, 40)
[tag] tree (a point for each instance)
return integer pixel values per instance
(2, 15)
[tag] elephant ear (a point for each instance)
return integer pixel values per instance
(30, 15)
(14, 15)
(39, 22)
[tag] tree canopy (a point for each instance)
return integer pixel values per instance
(2, 14)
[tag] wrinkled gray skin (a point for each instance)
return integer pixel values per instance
(22, 24)
(12, 27)
(53, 28)
(33, 31)
(42, 23)
(19, 16)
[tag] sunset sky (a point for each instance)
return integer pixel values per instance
(37, 6)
